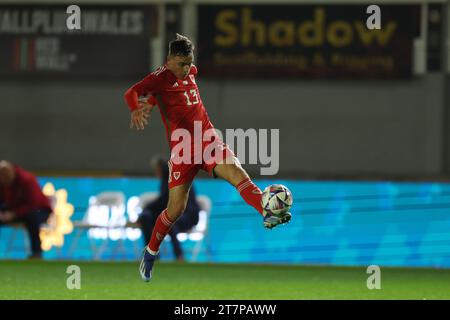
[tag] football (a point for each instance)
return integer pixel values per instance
(277, 199)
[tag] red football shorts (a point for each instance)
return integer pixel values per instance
(210, 155)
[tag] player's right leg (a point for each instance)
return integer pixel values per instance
(232, 171)
(178, 197)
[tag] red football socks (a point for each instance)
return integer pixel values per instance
(161, 229)
(251, 194)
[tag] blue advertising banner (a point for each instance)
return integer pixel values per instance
(334, 223)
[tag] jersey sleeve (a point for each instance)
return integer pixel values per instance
(194, 70)
(146, 86)
(152, 100)
(29, 196)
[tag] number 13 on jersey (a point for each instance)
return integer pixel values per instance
(193, 95)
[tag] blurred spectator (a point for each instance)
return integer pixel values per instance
(151, 210)
(22, 201)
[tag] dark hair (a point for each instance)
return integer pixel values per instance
(158, 160)
(181, 46)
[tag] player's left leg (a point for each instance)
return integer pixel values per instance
(231, 170)
(178, 196)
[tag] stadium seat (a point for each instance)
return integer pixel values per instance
(199, 233)
(146, 198)
(99, 220)
(104, 217)
(133, 211)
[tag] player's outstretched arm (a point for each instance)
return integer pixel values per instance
(140, 116)
(140, 110)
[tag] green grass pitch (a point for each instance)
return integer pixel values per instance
(121, 280)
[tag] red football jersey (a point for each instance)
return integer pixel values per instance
(178, 100)
(24, 195)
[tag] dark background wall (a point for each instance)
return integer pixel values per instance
(344, 127)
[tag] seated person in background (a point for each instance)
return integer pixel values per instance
(22, 200)
(151, 211)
